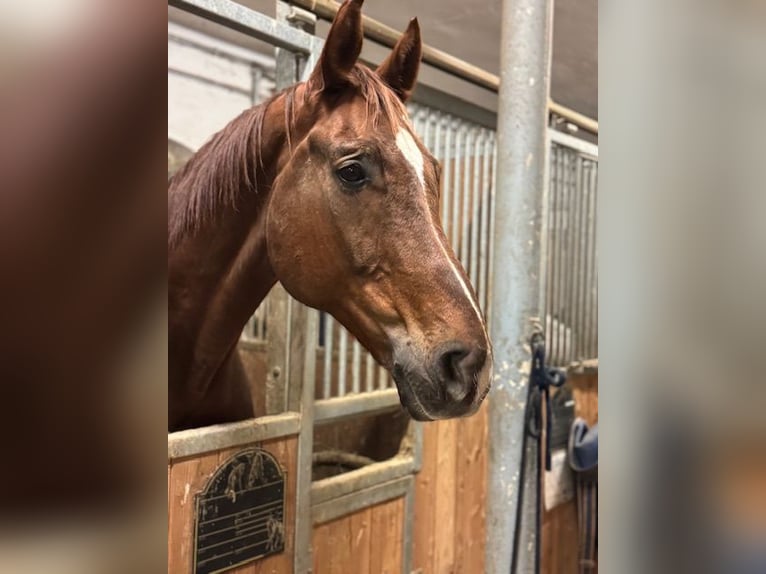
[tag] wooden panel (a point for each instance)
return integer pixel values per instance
(386, 536)
(444, 512)
(450, 497)
(188, 476)
(558, 545)
(559, 525)
(425, 507)
(365, 542)
(471, 495)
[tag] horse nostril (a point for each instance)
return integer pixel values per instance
(459, 368)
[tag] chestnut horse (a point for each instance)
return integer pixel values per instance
(327, 189)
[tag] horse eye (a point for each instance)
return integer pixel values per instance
(352, 174)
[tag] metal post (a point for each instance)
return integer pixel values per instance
(521, 159)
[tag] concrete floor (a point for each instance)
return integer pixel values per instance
(470, 30)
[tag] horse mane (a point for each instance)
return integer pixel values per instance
(225, 166)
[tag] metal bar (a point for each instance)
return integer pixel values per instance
(447, 176)
(328, 344)
(484, 217)
(473, 256)
(552, 276)
(574, 117)
(562, 255)
(521, 156)
(579, 262)
(574, 143)
(584, 282)
(193, 442)
(356, 367)
(572, 258)
(344, 505)
(455, 225)
(342, 360)
(545, 213)
(348, 406)
(250, 22)
(489, 313)
(361, 478)
(369, 373)
(592, 269)
(465, 211)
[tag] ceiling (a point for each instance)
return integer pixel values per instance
(470, 30)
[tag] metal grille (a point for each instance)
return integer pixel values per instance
(571, 265)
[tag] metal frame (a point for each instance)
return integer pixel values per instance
(193, 442)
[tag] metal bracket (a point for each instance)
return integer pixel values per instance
(301, 18)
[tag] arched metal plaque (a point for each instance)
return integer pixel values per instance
(240, 513)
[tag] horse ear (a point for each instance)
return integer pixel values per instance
(341, 49)
(400, 69)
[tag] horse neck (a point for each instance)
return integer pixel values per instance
(220, 271)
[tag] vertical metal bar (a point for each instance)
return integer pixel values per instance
(566, 251)
(587, 170)
(440, 153)
(465, 211)
(583, 231)
(449, 139)
(577, 263)
(562, 255)
(521, 156)
(456, 188)
(475, 211)
(595, 266)
(369, 372)
(491, 254)
(545, 214)
(592, 268)
(342, 360)
(572, 245)
(328, 345)
(486, 186)
(356, 367)
(554, 252)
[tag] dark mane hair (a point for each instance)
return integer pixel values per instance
(226, 166)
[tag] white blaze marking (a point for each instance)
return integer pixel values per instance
(406, 144)
(411, 152)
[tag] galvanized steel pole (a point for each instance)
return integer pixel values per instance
(521, 161)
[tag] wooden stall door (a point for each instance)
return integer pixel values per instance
(369, 541)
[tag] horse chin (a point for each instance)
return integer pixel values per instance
(408, 398)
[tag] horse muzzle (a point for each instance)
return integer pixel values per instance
(451, 381)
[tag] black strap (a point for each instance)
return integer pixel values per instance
(541, 379)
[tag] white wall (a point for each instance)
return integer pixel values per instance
(209, 83)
